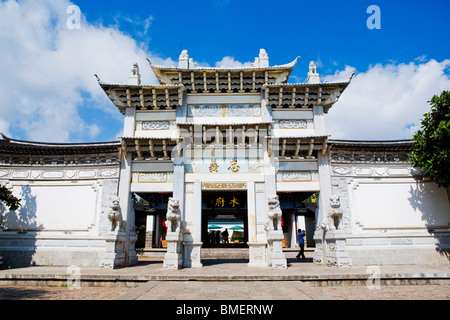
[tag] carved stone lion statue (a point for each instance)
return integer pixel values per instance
(335, 216)
(274, 213)
(173, 222)
(115, 214)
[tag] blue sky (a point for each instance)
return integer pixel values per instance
(49, 92)
(333, 31)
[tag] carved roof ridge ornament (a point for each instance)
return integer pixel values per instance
(186, 64)
(289, 65)
(135, 77)
(313, 76)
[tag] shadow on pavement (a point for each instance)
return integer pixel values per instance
(211, 262)
(11, 293)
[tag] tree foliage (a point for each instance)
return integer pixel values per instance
(432, 147)
(8, 199)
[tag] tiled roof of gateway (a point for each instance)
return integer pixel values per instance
(386, 144)
(9, 145)
(289, 65)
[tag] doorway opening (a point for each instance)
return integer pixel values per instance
(150, 215)
(299, 212)
(224, 219)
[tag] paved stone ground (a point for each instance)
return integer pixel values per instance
(409, 292)
(214, 283)
(60, 293)
(227, 290)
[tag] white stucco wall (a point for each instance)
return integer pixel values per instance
(401, 205)
(53, 208)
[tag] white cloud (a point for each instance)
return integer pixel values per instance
(386, 102)
(230, 62)
(48, 91)
(48, 72)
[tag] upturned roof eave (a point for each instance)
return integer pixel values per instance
(53, 144)
(407, 144)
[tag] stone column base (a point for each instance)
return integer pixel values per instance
(276, 257)
(319, 253)
(174, 257)
(337, 254)
(132, 254)
(149, 239)
(257, 254)
(192, 254)
(114, 256)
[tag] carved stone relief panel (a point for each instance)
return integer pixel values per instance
(292, 124)
(224, 110)
(155, 125)
(152, 177)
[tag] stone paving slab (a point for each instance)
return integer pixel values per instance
(222, 279)
(232, 270)
(225, 290)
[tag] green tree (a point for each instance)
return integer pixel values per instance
(432, 147)
(8, 199)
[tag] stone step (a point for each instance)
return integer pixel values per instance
(217, 253)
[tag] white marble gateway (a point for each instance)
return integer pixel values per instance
(211, 143)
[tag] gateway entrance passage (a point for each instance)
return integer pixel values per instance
(224, 219)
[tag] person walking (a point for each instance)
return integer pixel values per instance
(225, 236)
(301, 243)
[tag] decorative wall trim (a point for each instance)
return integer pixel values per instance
(62, 173)
(372, 171)
(220, 186)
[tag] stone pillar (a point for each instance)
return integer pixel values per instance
(294, 228)
(113, 235)
(158, 230)
(275, 236)
(174, 238)
(114, 256)
(251, 208)
(192, 241)
(149, 230)
(320, 250)
(126, 205)
(174, 257)
(192, 254)
(257, 254)
(257, 250)
(322, 208)
(129, 125)
(336, 252)
(276, 256)
(179, 180)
